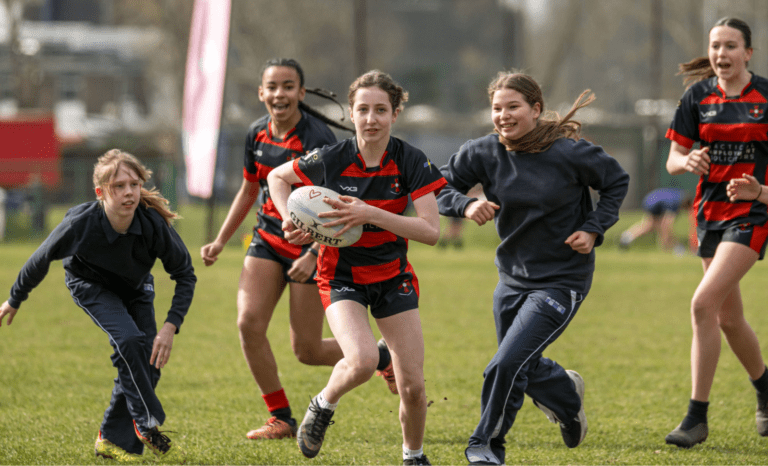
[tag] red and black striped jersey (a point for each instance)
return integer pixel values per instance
(735, 129)
(263, 153)
(404, 170)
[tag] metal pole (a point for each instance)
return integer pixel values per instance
(361, 36)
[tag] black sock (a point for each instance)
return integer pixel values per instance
(697, 414)
(384, 358)
(761, 384)
(284, 414)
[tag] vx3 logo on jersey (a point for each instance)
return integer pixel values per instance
(343, 289)
(708, 114)
(349, 189)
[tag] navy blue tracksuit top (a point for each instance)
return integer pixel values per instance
(544, 198)
(92, 250)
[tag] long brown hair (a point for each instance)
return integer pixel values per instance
(549, 126)
(700, 68)
(105, 171)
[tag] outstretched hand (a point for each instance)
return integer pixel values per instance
(7, 310)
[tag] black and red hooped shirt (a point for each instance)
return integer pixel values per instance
(735, 129)
(379, 254)
(263, 153)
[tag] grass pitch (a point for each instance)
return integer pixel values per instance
(630, 342)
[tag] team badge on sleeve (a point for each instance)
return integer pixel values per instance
(311, 157)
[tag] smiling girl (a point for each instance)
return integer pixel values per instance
(536, 175)
(289, 130)
(382, 171)
(109, 247)
(724, 111)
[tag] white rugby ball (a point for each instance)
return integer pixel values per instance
(305, 203)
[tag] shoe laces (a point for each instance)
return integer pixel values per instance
(159, 440)
(271, 422)
(322, 421)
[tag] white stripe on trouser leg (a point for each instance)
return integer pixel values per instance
(117, 348)
(497, 429)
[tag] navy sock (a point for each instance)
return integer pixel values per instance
(284, 414)
(761, 384)
(697, 414)
(384, 358)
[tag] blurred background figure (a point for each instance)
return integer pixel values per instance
(661, 207)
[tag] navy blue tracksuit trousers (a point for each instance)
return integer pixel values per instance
(527, 321)
(128, 318)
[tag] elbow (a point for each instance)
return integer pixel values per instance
(432, 237)
(670, 169)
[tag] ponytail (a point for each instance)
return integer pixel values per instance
(326, 94)
(695, 70)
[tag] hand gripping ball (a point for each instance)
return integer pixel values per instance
(304, 205)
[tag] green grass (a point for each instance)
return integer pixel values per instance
(630, 341)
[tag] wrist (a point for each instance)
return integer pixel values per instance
(759, 193)
(311, 250)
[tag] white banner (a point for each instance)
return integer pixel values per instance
(204, 92)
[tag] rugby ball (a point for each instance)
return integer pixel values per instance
(305, 203)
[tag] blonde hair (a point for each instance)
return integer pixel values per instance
(549, 126)
(105, 171)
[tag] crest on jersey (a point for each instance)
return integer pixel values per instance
(396, 186)
(756, 112)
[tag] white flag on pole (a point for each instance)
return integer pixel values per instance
(204, 92)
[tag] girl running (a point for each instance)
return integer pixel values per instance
(381, 172)
(724, 111)
(536, 175)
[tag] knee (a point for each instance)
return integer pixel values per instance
(701, 311)
(305, 352)
(362, 368)
(133, 344)
(250, 325)
(412, 392)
